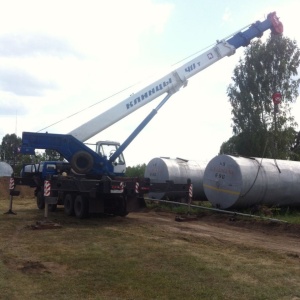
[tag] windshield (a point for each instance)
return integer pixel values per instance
(108, 149)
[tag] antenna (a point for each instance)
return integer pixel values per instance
(16, 125)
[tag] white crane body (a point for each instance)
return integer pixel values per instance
(171, 82)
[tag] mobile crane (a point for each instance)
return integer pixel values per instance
(95, 180)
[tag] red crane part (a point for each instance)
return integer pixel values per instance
(277, 98)
(277, 25)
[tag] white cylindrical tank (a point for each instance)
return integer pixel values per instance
(5, 169)
(164, 169)
(239, 182)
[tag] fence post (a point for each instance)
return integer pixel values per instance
(47, 188)
(11, 194)
(190, 193)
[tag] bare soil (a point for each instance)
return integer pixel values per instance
(274, 236)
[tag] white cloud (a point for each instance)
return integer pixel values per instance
(27, 45)
(21, 83)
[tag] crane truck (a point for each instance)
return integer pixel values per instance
(91, 181)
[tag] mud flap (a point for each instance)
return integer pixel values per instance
(135, 203)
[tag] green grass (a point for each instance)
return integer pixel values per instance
(290, 215)
(123, 258)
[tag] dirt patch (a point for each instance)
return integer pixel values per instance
(266, 226)
(36, 267)
(273, 236)
(33, 267)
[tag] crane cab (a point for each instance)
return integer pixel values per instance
(106, 149)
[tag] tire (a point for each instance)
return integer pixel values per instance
(69, 205)
(81, 207)
(82, 162)
(40, 200)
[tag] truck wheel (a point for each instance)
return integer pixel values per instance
(82, 162)
(40, 200)
(69, 205)
(81, 207)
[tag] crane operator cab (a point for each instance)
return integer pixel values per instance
(107, 149)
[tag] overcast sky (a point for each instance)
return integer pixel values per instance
(64, 58)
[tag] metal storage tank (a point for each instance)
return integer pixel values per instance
(178, 170)
(5, 169)
(239, 182)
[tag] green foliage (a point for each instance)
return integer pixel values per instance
(265, 69)
(136, 171)
(49, 155)
(9, 147)
(261, 143)
(10, 151)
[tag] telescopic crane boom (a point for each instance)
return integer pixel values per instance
(86, 161)
(176, 79)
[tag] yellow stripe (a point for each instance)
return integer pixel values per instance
(221, 190)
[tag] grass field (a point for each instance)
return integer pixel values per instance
(129, 258)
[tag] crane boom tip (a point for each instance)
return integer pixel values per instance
(277, 26)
